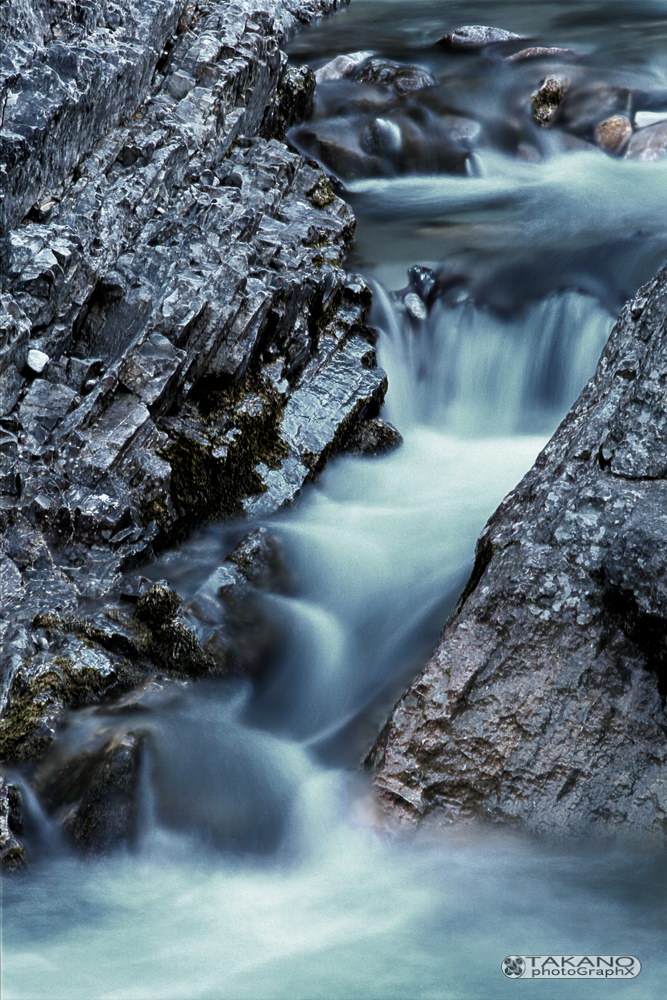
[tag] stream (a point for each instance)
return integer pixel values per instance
(263, 870)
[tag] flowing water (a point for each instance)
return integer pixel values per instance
(261, 869)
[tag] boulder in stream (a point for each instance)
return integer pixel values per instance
(543, 705)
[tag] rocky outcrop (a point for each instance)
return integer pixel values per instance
(179, 340)
(544, 702)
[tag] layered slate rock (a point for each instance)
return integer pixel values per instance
(544, 702)
(179, 340)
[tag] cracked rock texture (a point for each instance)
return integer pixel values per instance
(179, 340)
(544, 702)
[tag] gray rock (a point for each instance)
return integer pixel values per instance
(544, 702)
(341, 67)
(477, 36)
(648, 143)
(401, 78)
(549, 52)
(187, 251)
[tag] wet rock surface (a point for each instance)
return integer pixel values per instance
(477, 36)
(178, 338)
(94, 794)
(12, 852)
(544, 703)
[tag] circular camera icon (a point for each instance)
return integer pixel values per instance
(514, 966)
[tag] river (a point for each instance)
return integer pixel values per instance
(263, 870)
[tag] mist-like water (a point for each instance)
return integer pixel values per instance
(262, 870)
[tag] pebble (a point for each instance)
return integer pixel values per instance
(37, 361)
(415, 306)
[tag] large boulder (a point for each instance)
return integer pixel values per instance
(544, 702)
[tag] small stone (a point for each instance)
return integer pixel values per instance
(613, 134)
(546, 100)
(414, 306)
(37, 361)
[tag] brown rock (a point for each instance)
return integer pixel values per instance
(613, 134)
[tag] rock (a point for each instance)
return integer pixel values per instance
(414, 306)
(424, 281)
(648, 143)
(544, 703)
(94, 795)
(543, 52)
(373, 437)
(399, 77)
(12, 852)
(613, 134)
(41, 693)
(584, 106)
(341, 67)
(157, 605)
(37, 361)
(477, 36)
(170, 251)
(547, 99)
(234, 625)
(411, 138)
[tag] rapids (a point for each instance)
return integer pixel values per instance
(262, 870)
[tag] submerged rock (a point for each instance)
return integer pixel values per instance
(401, 78)
(550, 52)
(544, 702)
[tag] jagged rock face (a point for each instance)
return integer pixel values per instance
(179, 340)
(544, 703)
(173, 301)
